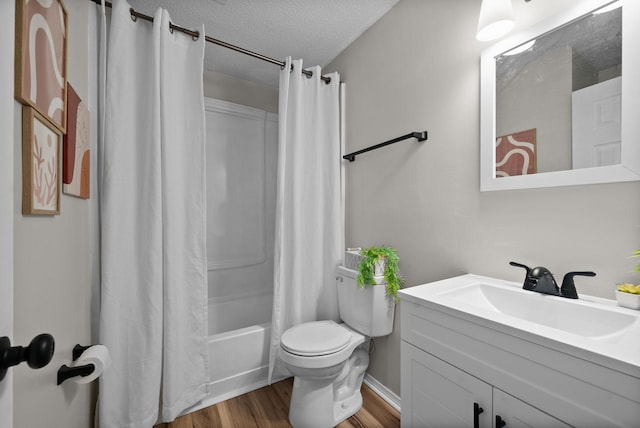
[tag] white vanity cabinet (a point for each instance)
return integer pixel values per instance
(437, 394)
(453, 358)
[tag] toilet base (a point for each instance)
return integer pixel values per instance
(332, 396)
(343, 410)
(309, 400)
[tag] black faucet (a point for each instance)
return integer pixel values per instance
(541, 280)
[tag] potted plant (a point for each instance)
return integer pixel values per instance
(628, 295)
(377, 261)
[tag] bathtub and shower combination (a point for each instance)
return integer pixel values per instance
(241, 187)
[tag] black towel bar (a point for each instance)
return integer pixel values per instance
(420, 136)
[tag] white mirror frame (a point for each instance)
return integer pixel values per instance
(628, 169)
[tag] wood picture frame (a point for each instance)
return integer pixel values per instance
(41, 58)
(41, 144)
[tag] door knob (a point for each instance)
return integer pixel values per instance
(37, 354)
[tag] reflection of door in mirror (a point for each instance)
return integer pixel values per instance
(535, 87)
(596, 121)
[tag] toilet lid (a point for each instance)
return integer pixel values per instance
(315, 338)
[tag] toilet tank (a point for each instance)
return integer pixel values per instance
(367, 310)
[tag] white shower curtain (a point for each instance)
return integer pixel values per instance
(309, 219)
(153, 313)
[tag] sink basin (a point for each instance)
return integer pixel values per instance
(556, 312)
(598, 326)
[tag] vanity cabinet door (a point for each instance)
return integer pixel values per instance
(518, 414)
(436, 394)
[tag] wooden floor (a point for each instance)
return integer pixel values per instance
(269, 407)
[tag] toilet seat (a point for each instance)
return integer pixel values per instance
(314, 339)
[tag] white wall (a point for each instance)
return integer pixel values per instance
(6, 199)
(418, 69)
(52, 275)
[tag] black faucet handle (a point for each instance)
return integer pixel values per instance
(568, 288)
(529, 283)
(527, 268)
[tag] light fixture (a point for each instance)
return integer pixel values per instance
(496, 19)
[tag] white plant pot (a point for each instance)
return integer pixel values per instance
(628, 300)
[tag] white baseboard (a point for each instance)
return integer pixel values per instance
(385, 393)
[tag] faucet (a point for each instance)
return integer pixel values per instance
(540, 279)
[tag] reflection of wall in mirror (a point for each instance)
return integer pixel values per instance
(539, 96)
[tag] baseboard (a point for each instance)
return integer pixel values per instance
(385, 393)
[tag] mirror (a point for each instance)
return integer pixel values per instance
(559, 101)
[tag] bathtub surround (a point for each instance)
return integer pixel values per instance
(153, 310)
(309, 233)
(241, 148)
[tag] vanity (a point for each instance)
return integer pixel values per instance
(483, 352)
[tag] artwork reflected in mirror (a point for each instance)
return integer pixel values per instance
(516, 154)
(566, 86)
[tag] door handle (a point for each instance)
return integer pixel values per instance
(477, 410)
(37, 354)
(500, 422)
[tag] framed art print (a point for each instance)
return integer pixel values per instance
(41, 58)
(41, 144)
(75, 148)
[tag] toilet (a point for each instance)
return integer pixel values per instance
(329, 359)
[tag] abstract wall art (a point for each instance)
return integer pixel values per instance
(75, 148)
(40, 164)
(41, 58)
(516, 154)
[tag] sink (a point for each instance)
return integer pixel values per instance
(551, 311)
(595, 325)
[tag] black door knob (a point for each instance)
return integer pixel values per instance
(37, 354)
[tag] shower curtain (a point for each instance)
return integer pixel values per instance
(153, 316)
(309, 237)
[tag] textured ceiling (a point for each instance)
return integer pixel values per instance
(314, 30)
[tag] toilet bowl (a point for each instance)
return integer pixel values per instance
(329, 359)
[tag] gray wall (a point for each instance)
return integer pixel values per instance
(418, 69)
(228, 88)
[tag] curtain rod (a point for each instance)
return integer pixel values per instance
(196, 34)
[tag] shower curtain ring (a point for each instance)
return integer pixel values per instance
(171, 27)
(195, 36)
(291, 71)
(132, 12)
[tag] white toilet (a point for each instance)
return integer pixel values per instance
(329, 359)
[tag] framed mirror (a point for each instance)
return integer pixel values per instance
(560, 102)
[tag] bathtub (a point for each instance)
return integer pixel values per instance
(239, 358)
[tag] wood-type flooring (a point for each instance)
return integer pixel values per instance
(268, 407)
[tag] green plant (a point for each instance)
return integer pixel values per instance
(636, 253)
(629, 288)
(391, 273)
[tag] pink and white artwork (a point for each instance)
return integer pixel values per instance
(516, 154)
(41, 45)
(75, 148)
(40, 164)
